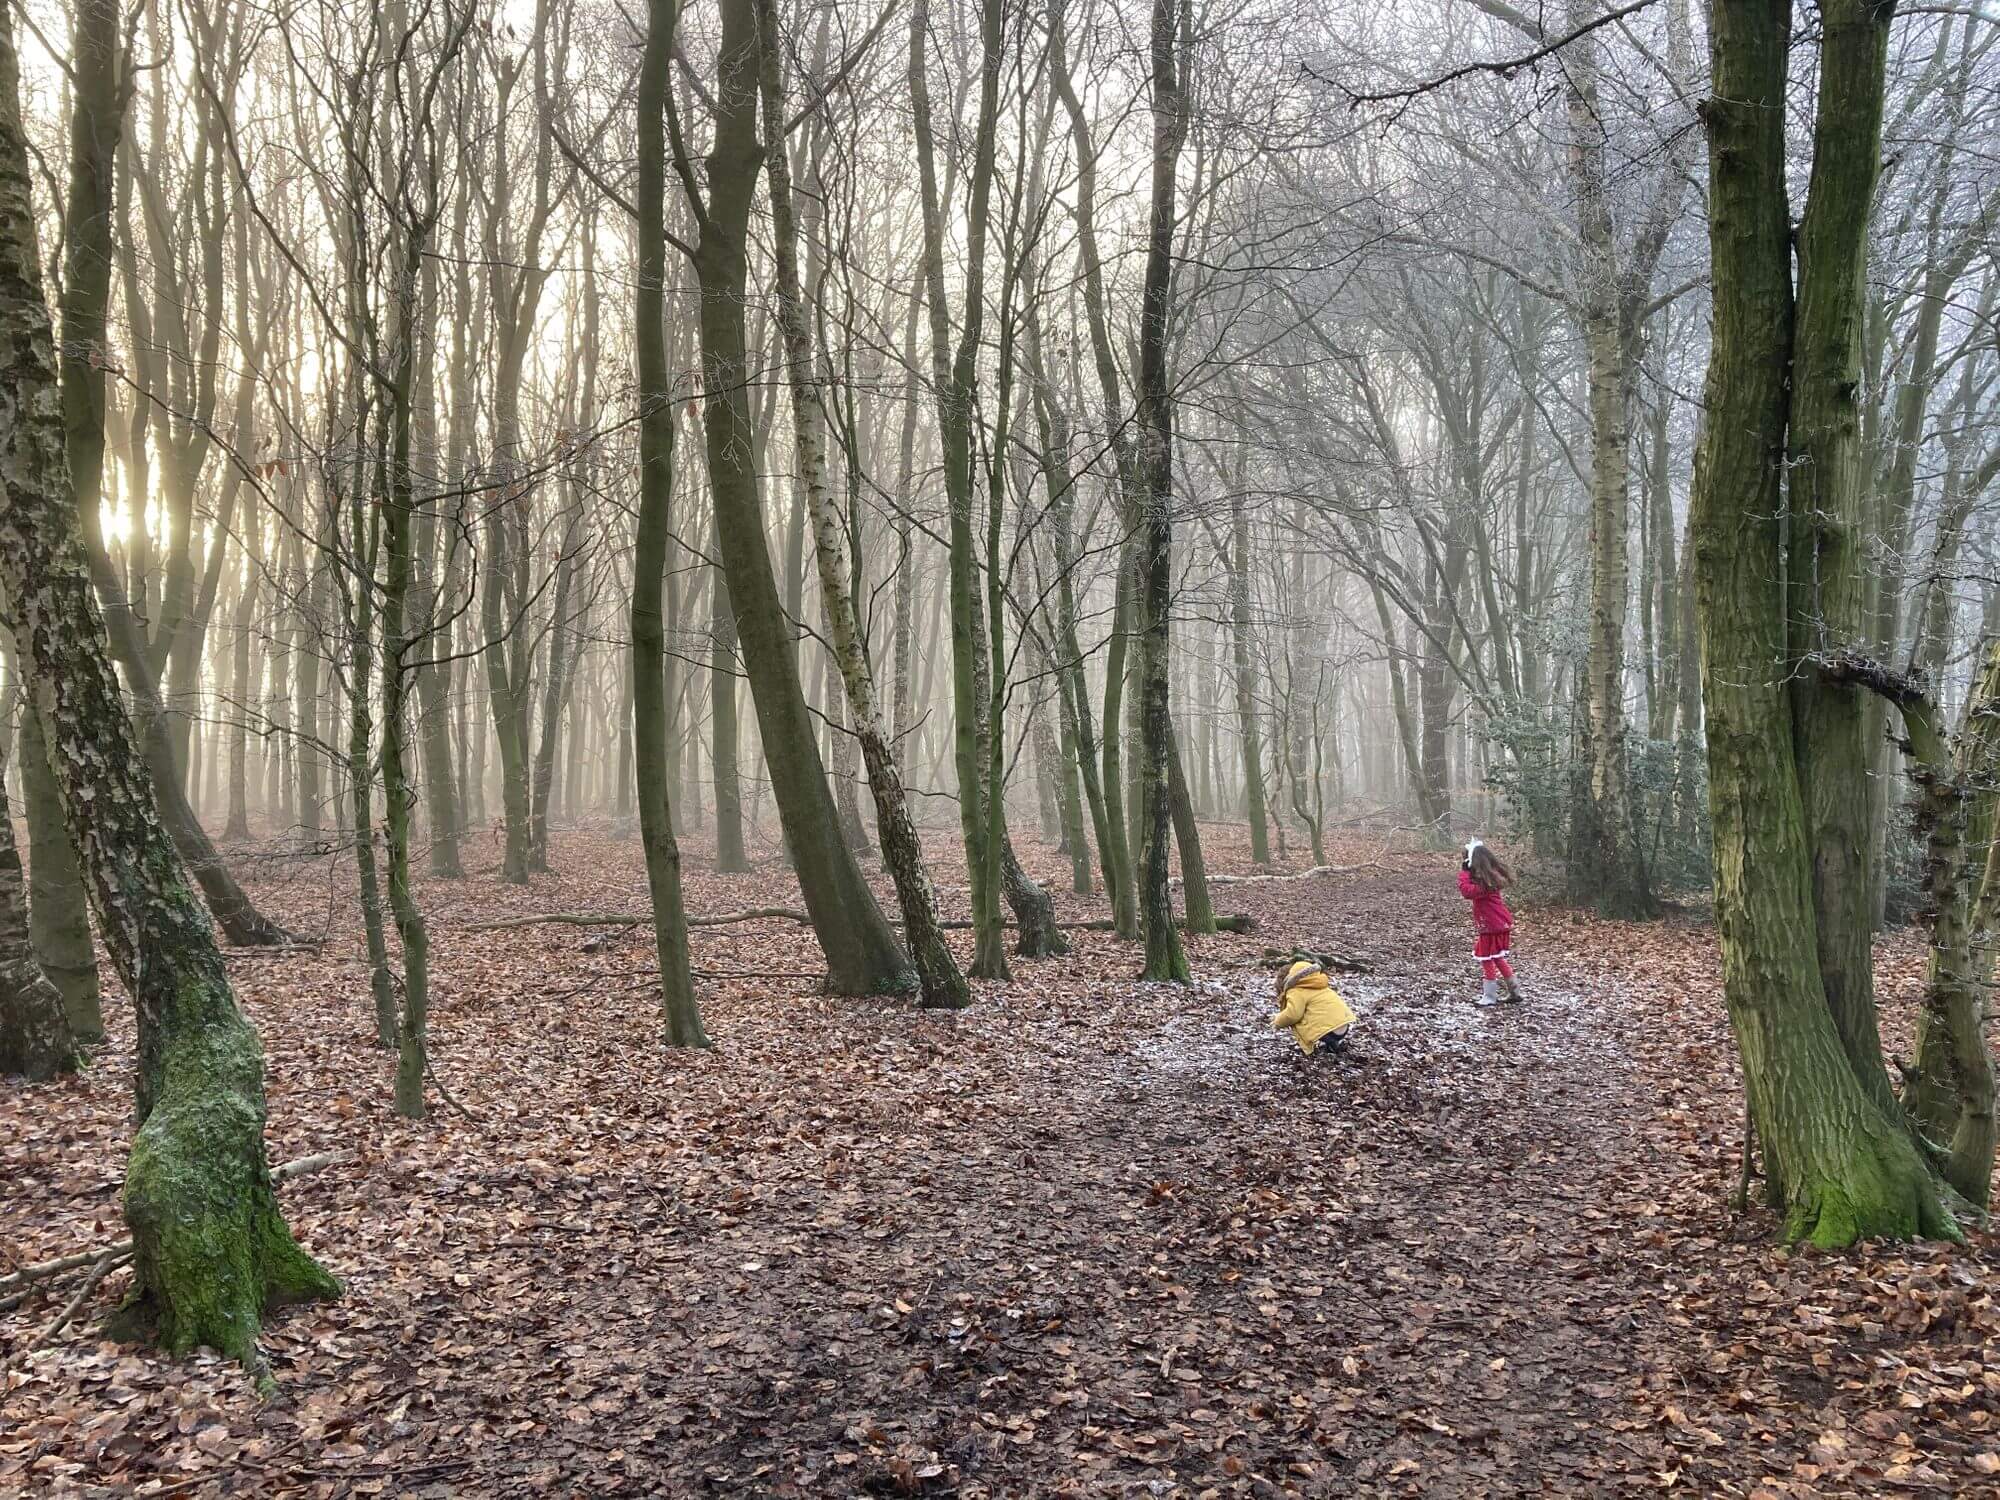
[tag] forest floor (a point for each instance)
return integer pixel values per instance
(1088, 1238)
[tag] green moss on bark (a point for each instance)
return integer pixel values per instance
(212, 1254)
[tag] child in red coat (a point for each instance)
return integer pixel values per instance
(1480, 880)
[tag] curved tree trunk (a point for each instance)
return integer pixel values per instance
(938, 975)
(862, 954)
(211, 1252)
(95, 128)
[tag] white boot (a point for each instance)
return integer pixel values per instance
(1489, 992)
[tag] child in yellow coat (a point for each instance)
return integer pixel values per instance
(1311, 1008)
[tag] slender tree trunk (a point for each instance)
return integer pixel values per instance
(680, 1013)
(238, 826)
(943, 986)
(1165, 959)
(1248, 731)
(95, 128)
(1187, 837)
(36, 1041)
(953, 373)
(411, 1031)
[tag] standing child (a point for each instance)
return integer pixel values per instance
(1480, 880)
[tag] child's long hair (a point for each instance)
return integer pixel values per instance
(1490, 870)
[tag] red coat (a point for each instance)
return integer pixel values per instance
(1489, 908)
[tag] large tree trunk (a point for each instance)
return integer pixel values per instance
(211, 1252)
(862, 954)
(1839, 1165)
(1827, 568)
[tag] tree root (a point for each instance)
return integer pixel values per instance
(27, 1282)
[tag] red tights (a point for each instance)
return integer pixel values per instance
(1495, 968)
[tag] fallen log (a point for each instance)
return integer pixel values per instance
(628, 919)
(1315, 872)
(21, 1283)
(1240, 922)
(1332, 962)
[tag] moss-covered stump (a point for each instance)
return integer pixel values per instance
(211, 1253)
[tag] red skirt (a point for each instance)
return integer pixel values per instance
(1493, 945)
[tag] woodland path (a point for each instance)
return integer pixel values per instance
(1088, 1238)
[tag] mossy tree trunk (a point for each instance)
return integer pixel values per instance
(1827, 569)
(1153, 574)
(1839, 1165)
(1949, 1095)
(211, 1252)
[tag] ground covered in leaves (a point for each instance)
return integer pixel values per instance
(1088, 1238)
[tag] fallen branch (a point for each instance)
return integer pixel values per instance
(1313, 873)
(1240, 922)
(443, 1092)
(26, 1278)
(627, 919)
(1332, 962)
(1237, 923)
(104, 1263)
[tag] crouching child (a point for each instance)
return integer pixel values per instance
(1312, 1010)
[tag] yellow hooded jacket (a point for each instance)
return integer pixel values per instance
(1311, 1007)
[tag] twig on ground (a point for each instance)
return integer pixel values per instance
(443, 1092)
(104, 1263)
